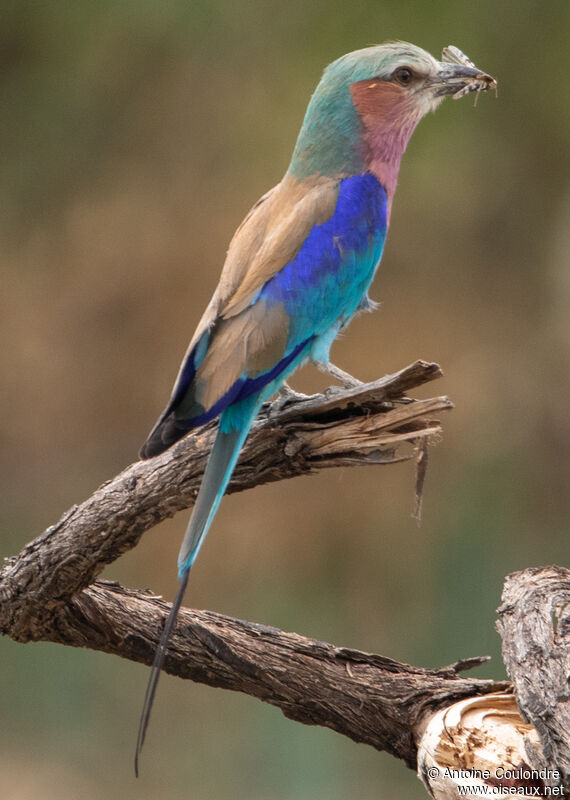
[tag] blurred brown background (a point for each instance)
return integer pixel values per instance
(134, 137)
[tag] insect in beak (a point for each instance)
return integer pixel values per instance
(459, 76)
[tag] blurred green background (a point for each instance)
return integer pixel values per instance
(134, 137)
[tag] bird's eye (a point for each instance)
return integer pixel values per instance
(403, 75)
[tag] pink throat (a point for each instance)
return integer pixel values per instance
(386, 145)
(389, 116)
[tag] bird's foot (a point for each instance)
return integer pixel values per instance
(347, 380)
(286, 395)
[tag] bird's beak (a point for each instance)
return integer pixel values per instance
(458, 76)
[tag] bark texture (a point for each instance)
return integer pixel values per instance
(369, 698)
(49, 591)
(375, 423)
(534, 623)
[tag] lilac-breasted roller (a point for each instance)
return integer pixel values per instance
(300, 264)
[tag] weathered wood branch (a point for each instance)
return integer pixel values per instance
(372, 424)
(534, 623)
(369, 698)
(49, 592)
(503, 744)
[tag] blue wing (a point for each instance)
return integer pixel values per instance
(294, 315)
(322, 287)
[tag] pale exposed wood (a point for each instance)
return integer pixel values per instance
(480, 744)
(511, 744)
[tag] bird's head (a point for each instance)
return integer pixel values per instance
(368, 103)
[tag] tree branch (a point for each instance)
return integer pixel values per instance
(372, 424)
(534, 623)
(369, 698)
(505, 744)
(49, 592)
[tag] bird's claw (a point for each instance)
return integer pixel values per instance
(286, 395)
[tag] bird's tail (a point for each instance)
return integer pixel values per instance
(232, 433)
(221, 463)
(156, 667)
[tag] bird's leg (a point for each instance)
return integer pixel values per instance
(286, 395)
(340, 375)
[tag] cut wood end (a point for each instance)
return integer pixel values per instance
(479, 747)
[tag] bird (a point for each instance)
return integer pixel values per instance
(299, 267)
